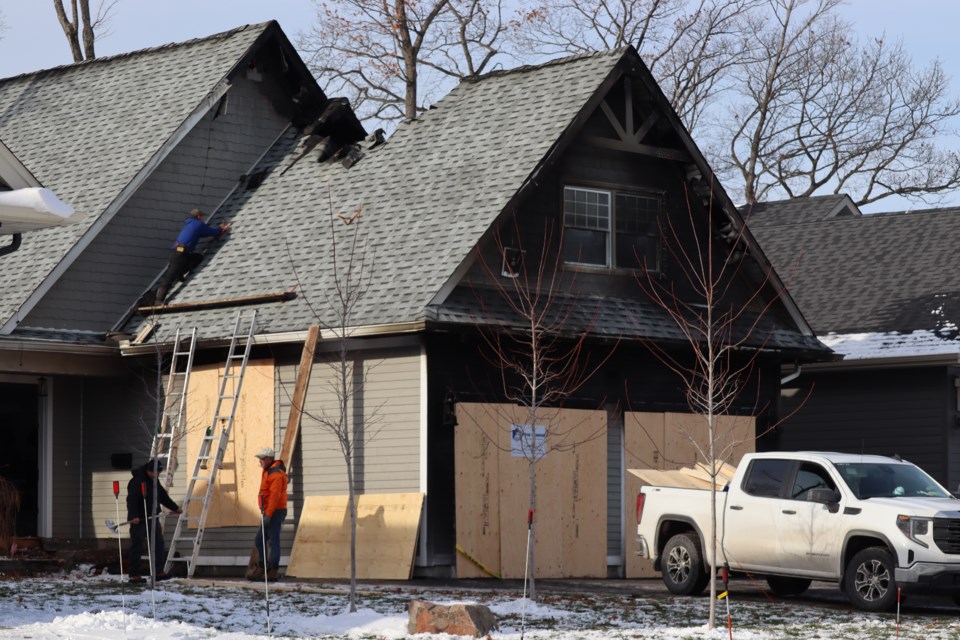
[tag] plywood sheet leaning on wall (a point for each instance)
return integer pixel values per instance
(234, 501)
(387, 526)
(476, 464)
(571, 505)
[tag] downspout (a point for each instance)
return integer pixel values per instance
(792, 376)
(13, 246)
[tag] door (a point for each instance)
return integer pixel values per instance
(751, 516)
(19, 455)
(809, 531)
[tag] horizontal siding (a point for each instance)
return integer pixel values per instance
(387, 456)
(901, 411)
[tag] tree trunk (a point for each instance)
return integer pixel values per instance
(70, 28)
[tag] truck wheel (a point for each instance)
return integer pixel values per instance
(869, 580)
(784, 586)
(683, 572)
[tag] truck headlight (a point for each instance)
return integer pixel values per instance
(914, 527)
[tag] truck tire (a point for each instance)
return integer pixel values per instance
(784, 586)
(869, 580)
(682, 565)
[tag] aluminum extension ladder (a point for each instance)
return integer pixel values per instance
(212, 448)
(166, 441)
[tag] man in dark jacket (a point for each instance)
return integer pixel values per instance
(140, 501)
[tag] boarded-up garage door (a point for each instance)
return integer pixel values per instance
(670, 441)
(493, 493)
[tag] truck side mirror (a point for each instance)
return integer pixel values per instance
(823, 496)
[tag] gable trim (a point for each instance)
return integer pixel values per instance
(13, 172)
(556, 150)
(212, 98)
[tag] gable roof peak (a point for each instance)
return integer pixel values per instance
(526, 68)
(262, 26)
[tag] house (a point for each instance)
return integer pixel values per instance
(235, 125)
(880, 290)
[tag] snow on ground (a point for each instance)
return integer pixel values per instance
(80, 606)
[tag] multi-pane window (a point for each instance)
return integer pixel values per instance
(606, 228)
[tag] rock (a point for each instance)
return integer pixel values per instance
(456, 619)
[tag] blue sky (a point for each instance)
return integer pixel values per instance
(33, 39)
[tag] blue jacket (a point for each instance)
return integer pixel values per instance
(193, 230)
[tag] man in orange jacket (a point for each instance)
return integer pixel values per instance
(273, 509)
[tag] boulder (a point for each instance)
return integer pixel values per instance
(456, 619)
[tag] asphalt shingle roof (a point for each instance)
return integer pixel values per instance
(873, 273)
(86, 129)
(427, 196)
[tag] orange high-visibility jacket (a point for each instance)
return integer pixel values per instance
(273, 488)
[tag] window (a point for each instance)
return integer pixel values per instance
(765, 477)
(608, 228)
(809, 477)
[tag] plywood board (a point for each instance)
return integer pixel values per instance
(387, 526)
(643, 447)
(476, 464)
(234, 500)
(580, 548)
(685, 433)
(672, 478)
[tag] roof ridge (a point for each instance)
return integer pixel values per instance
(549, 63)
(137, 52)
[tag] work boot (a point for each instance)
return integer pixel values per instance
(273, 574)
(135, 580)
(255, 575)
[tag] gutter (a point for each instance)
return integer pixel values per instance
(291, 337)
(61, 348)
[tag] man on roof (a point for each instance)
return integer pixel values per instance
(183, 255)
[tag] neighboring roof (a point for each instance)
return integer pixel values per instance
(809, 209)
(88, 130)
(879, 285)
(428, 195)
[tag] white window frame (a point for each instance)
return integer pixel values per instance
(611, 258)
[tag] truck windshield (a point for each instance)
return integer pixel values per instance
(889, 480)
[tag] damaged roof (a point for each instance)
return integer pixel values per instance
(88, 130)
(426, 195)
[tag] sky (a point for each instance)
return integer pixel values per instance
(33, 39)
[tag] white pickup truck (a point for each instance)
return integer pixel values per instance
(872, 524)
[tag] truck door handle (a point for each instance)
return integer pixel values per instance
(790, 512)
(736, 507)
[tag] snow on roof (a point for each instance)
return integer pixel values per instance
(893, 344)
(31, 209)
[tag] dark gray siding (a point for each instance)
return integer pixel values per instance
(67, 468)
(134, 247)
(615, 485)
(904, 411)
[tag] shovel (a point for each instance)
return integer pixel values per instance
(113, 526)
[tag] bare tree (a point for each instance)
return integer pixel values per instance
(336, 310)
(541, 357)
(785, 100)
(725, 326)
(391, 59)
(79, 24)
(819, 111)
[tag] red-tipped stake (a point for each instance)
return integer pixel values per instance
(123, 597)
(898, 612)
